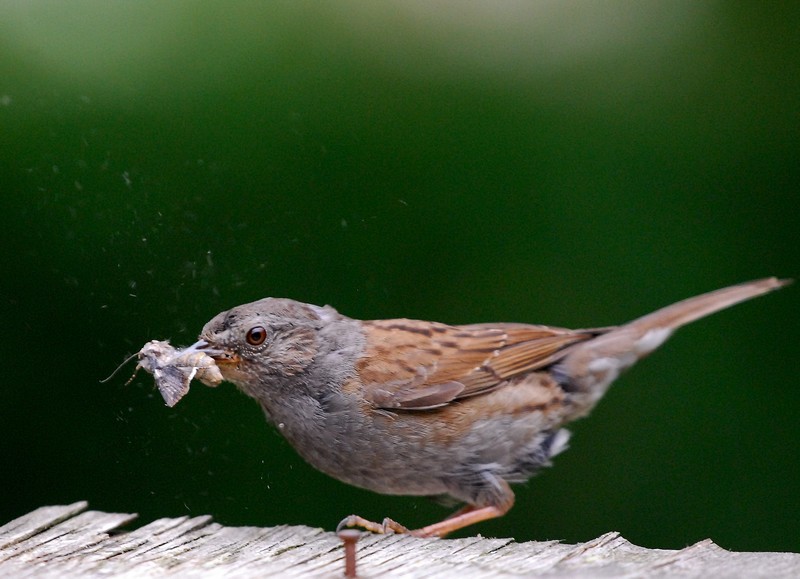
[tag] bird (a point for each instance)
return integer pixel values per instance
(420, 408)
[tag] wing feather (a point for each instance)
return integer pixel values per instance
(410, 364)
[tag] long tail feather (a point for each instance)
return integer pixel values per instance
(590, 367)
(691, 309)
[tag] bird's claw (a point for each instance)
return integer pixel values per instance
(387, 527)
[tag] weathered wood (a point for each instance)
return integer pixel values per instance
(69, 541)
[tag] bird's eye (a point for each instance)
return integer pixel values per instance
(256, 335)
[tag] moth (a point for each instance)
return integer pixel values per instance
(174, 369)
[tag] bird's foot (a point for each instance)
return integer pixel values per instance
(387, 527)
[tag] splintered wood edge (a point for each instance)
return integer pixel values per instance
(37, 521)
(71, 541)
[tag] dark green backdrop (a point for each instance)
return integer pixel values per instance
(570, 163)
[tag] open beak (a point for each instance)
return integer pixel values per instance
(218, 354)
(200, 345)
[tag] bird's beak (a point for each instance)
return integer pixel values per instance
(200, 345)
(219, 354)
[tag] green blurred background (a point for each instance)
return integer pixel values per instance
(570, 163)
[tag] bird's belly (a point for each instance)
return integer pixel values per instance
(419, 456)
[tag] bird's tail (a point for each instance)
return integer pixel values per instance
(590, 367)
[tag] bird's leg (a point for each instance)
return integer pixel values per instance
(465, 516)
(497, 494)
(469, 515)
(465, 509)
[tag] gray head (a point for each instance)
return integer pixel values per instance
(270, 337)
(293, 358)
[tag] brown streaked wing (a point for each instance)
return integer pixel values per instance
(519, 358)
(415, 364)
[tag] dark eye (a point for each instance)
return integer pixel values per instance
(256, 335)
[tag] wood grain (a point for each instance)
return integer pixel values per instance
(70, 541)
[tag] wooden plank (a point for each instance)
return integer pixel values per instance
(37, 521)
(70, 541)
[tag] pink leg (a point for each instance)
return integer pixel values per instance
(467, 515)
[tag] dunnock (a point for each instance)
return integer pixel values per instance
(408, 407)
